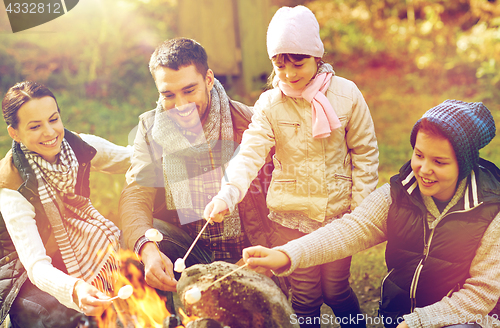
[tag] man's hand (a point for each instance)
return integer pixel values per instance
(156, 274)
(215, 210)
(89, 299)
(260, 256)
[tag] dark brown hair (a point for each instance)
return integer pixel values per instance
(430, 128)
(177, 53)
(20, 94)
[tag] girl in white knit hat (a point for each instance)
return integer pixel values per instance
(325, 162)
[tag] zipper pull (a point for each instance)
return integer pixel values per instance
(426, 249)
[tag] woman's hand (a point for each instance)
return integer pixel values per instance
(260, 256)
(215, 210)
(91, 301)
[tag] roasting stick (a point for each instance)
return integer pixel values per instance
(124, 293)
(226, 275)
(156, 236)
(180, 264)
(194, 242)
(164, 264)
(193, 294)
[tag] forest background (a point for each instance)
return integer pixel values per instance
(406, 56)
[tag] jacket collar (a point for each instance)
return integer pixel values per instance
(83, 151)
(22, 165)
(483, 184)
(408, 179)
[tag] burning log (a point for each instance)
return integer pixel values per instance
(172, 322)
(245, 299)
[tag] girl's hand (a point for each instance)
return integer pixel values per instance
(215, 210)
(91, 301)
(260, 256)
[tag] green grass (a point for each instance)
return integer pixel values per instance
(368, 267)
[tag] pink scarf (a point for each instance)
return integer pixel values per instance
(324, 118)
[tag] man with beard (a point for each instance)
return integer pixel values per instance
(180, 151)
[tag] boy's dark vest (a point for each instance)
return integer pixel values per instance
(416, 279)
(12, 272)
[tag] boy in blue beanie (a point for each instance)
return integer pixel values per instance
(440, 218)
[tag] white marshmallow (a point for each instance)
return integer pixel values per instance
(154, 235)
(125, 292)
(179, 265)
(193, 295)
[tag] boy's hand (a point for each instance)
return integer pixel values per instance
(260, 270)
(215, 210)
(260, 256)
(402, 325)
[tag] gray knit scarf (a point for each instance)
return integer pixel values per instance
(88, 242)
(176, 148)
(433, 214)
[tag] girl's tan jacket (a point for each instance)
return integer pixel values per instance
(320, 178)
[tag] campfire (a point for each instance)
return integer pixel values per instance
(144, 308)
(242, 299)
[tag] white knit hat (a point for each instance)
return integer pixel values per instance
(294, 31)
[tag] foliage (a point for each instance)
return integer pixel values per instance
(102, 54)
(455, 39)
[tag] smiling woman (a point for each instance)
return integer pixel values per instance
(52, 225)
(41, 129)
(434, 163)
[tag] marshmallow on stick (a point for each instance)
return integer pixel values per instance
(193, 295)
(180, 264)
(154, 235)
(124, 292)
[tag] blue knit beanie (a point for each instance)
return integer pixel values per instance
(468, 126)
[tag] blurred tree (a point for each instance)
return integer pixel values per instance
(459, 40)
(102, 53)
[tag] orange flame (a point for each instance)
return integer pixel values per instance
(145, 308)
(186, 318)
